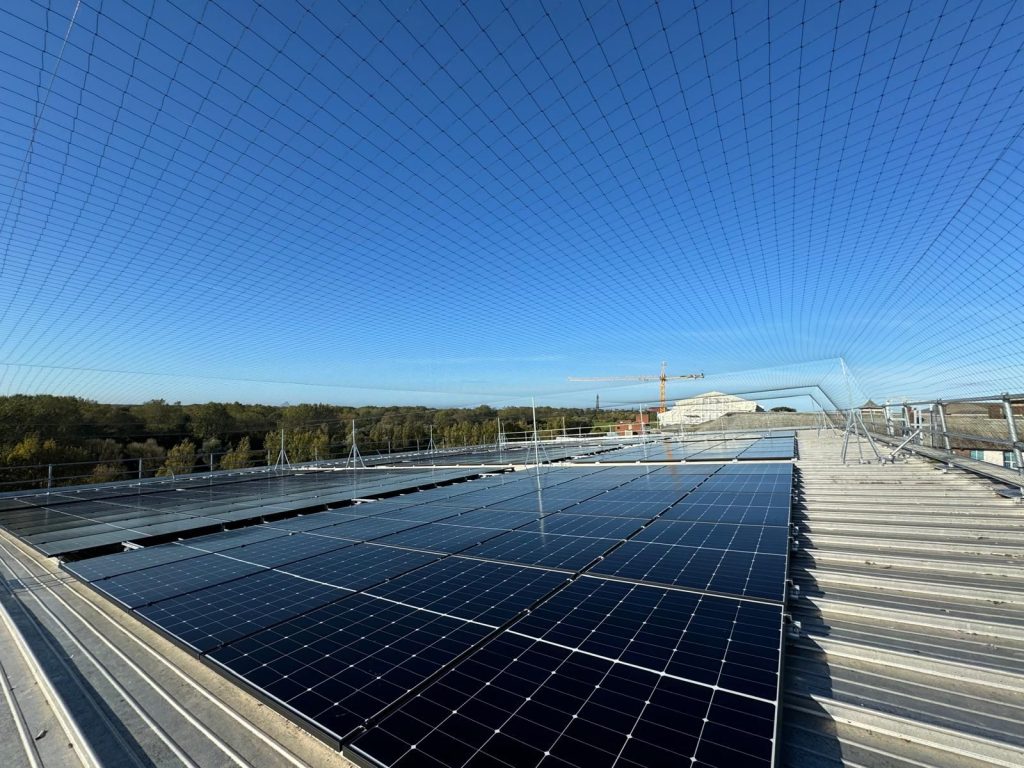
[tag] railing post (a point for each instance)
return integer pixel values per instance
(140, 468)
(49, 476)
(1008, 410)
(941, 408)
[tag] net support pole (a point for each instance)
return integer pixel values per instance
(940, 407)
(1012, 427)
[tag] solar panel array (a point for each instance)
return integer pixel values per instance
(68, 521)
(732, 448)
(576, 616)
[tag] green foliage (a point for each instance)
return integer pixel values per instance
(300, 444)
(24, 463)
(181, 459)
(210, 420)
(104, 449)
(44, 429)
(151, 453)
(46, 416)
(239, 457)
(160, 419)
(106, 473)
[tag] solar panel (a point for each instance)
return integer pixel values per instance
(358, 566)
(523, 702)
(366, 528)
(733, 572)
(550, 550)
(489, 517)
(729, 498)
(614, 528)
(236, 537)
(477, 590)
(313, 521)
(160, 582)
(279, 550)
(759, 469)
(620, 507)
(343, 663)
(125, 562)
(742, 511)
(771, 448)
(755, 538)
(538, 503)
(712, 640)
(210, 617)
(438, 537)
(71, 522)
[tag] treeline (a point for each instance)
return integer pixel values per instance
(157, 437)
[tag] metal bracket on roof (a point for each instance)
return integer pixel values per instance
(891, 458)
(856, 429)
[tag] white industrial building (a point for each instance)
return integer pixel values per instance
(706, 407)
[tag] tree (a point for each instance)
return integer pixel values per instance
(159, 418)
(181, 459)
(105, 473)
(150, 452)
(210, 420)
(238, 457)
(783, 409)
(300, 445)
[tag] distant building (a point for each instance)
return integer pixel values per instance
(971, 423)
(706, 407)
(634, 427)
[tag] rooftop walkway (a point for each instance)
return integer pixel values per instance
(911, 611)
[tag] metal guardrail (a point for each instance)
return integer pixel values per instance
(928, 424)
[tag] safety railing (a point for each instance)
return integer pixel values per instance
(978, 433)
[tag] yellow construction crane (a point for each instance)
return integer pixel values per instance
(661, 379)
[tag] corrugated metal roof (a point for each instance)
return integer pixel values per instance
(911, 610)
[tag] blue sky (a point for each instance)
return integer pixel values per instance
(448, 203)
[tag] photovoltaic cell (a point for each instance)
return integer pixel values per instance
(551, 550)
(211, 617)
(501, 519)
(755, 469)
(316, 520)
(476, 590)
(521, 702)
(359, 566)
(125, 562)
(771, 448)
(731, 572)
(621, 507)
(282, 549)
(215, 542)
(160, 582)
(366, 529)
(438, 537)
(753, 538)
(615, 528)
(741, 512)
(652, 496)
(343, 663)
(706, 639)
